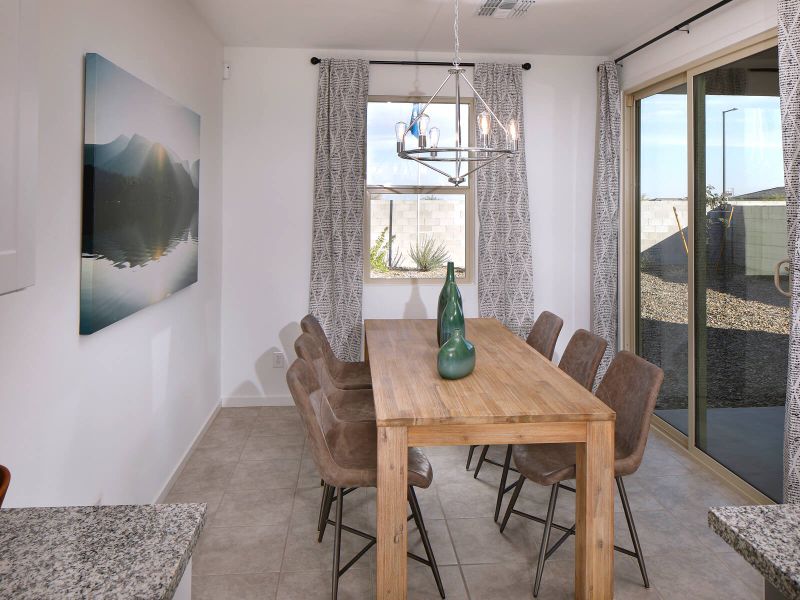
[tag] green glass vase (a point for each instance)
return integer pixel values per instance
(449, 289)
(452, 319)
(456, 357)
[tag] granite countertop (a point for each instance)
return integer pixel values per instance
(768, 537)
(95, 552)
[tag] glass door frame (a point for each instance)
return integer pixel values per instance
(629, 240)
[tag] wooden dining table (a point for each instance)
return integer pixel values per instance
(514, 396)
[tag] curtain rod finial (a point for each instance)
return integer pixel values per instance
(315, 60)
(526, 66)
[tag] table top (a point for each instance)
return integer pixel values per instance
(768, 537)
(511, 383)
(136, 551)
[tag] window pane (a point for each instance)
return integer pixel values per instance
(409, 232)
(663, 213)
(384, 167)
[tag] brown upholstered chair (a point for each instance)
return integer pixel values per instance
(542, 338)
(346, 375)
(5, 480)
(630, 387)
(349, 405)
(345, 452)
(580, 360)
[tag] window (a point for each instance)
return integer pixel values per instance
(416, 221)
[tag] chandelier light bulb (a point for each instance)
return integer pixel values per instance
(423, 123)
(434, 133)
(485, 126)
(513, 134)
(400, 133)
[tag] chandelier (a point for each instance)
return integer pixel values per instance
(466, 159)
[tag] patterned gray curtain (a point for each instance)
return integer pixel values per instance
(505, 259)
(336, 262)
(605, 211)
(789, 76)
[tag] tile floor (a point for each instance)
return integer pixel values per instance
(263, 496)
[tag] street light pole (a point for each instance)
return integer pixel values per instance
(724, 189)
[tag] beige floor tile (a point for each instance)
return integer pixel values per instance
(659, 532)
(508, 581)
(262, 586)
(211, 498)
(471, 499)
(479, 541)
(254, 507)
(279, 473)
(356, 584)
(272, 447)
(272, 426)
(236, 550)
(309, 474)
(558, 581)
(203, 479)
(743, 570)
(696, 575)
(226, 432)
(247, 413)
(278, 412)
(422, 585)
(304, 553)
(440, 541)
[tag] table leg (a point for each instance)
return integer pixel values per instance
(594, 513)
(392, 524)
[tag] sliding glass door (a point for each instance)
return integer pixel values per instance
(742, 323)
(710, 234)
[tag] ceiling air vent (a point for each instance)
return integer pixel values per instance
(504, 9)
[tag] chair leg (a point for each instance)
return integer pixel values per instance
(337, 543)
(503, 478)
(325, 510)
(426, 542)
(322, 506)
(480, 461)
(637, 547)
(551, 509)
(513, 502)
(469, 456)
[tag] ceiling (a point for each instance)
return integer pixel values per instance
(579, 27)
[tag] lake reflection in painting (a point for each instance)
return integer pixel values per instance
(140, 196)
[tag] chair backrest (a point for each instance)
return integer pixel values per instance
(308, 348)
(582, 357)
(544, 334)
(310, 325)
(337, 447)
(630, 387)
(5, 480)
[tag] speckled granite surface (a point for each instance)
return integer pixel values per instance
(768, 537)
(97, 552)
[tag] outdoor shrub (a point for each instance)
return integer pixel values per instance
(429, 255)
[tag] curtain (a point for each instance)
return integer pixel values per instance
(605, 212)
(339, 170)
(505, 259)
(789, 76)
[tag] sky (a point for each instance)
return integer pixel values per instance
(117, 104)
(753, 144)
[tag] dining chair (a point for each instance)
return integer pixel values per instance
(347, 375)
(580, 360)
(542, 338)
(345, 453)
(5, 480)
(630, 387)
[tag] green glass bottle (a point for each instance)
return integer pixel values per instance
(452, 319)
(456, 357)
(449, 288)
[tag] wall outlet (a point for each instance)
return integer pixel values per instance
(278, 360)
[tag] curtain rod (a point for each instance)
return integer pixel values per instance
(421, 63)
(677, 27)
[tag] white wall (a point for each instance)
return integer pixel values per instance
(109, 415)
(268, 151)
(724, 27)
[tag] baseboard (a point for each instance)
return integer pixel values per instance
(245, 401)
(168, 486)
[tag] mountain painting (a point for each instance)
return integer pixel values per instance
(141, 174)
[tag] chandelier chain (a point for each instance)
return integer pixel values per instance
(456, 58)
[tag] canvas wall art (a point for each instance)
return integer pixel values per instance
(140, 196)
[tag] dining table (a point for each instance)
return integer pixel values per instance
(514, 396)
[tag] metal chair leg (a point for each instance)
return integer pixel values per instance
(551, 509)
(337, 543)
(480, 461)
(325, 510)
(503, 478)
(623, 496)
(469, 456)
(511, 504)
(322, 506)
(426, 542)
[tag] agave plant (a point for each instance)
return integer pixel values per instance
(429, 254)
